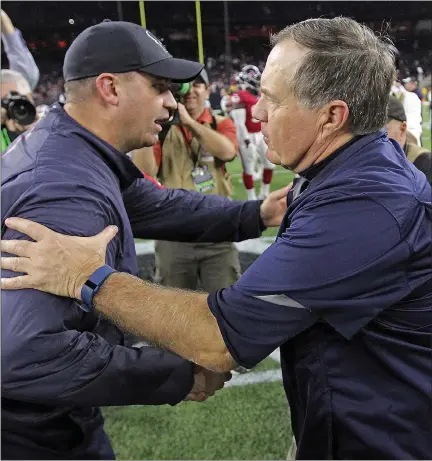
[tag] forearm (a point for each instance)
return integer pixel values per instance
(81, 368)
(145, 376)
(213, 142)
(177, 320)
(187, 216)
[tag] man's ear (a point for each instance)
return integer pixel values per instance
(410, 138)
(106, 88)
(334, 117)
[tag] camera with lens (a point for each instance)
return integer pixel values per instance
(19, 108)
(179, 91)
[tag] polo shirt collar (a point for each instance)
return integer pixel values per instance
(205, 117)
(340, 155)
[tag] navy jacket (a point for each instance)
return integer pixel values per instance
(60, 363)
(346, 292)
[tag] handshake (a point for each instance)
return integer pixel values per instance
(206, 383)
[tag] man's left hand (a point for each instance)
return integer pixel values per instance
(185, 119)
(274, 207)
(55, 263)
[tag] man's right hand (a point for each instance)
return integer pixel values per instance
(206, 384)
(13, 125)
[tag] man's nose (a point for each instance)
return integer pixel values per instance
(169, 101)
(255, 112)
(258, 112)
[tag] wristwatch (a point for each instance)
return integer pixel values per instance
(92, 286)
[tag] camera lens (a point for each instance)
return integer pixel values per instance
(22, 111)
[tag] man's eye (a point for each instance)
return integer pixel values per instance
(270, 100)
(161, 87)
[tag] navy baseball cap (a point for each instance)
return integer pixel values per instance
(118, 47)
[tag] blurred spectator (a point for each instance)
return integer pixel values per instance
(50, 87)
(15, 92)
(411, 84)
(412, 107)
(397, 130)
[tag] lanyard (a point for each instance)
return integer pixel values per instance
(195, 155)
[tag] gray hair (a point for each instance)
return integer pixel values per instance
(346, 61)
(12, 76)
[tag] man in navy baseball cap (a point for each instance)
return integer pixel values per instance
(72, 174)
(118, 78)
(119, 47)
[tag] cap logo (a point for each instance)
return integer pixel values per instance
(150, 35)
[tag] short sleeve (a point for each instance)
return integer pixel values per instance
(341, 261)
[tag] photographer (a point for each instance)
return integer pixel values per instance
(18, 112)
(192, 155)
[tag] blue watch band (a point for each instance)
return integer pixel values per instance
(92, 286)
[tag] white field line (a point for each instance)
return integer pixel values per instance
(276, 356)
(244, 379)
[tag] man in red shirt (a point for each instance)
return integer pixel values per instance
(192, 155)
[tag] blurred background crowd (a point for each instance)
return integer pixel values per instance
(250, 23)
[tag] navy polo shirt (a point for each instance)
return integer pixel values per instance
(346, 292)
(60, 363)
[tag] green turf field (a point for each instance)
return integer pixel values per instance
(426, 140)
(244, 422)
